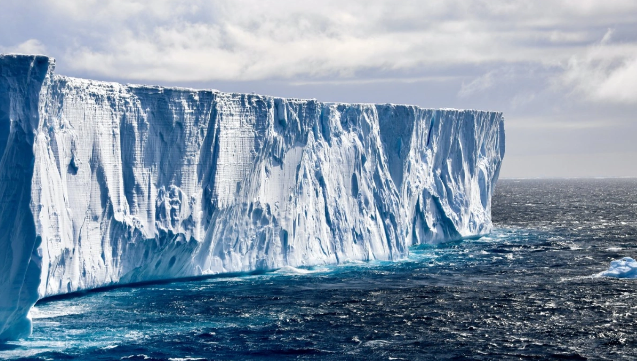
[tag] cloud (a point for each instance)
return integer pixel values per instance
(197, 40)
(620, 85)
(522, 99)
(552, 123)
(479, 84)
(31, 46)
(605, 72)
(551, 65)
(357, 81)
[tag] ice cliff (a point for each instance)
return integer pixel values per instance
(103, 183)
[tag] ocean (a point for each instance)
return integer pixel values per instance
(529, 290)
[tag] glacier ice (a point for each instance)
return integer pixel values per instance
(103, 183)
(622, 268)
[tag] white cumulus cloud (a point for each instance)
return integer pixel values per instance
(605, 72)
(31, 46)
(251, 40)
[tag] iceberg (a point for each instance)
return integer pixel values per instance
(103, 183)
(622, 268)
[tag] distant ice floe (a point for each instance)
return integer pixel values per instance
(623, 268)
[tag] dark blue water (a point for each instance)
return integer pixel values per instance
(525, 292)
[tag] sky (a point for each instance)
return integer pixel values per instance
(564, 73)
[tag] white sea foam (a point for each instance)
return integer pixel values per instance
(137, 357)
(49, 312)
(289, 270)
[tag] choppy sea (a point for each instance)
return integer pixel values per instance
(529, 290)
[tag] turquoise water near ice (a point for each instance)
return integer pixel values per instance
(528, 290)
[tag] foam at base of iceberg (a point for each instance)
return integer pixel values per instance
(104, 183)
(623, 268)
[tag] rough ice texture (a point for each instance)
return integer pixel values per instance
(103, 183)
(623, 268)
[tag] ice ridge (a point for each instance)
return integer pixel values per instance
(103, 183)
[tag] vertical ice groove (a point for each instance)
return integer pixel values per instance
(103, 183)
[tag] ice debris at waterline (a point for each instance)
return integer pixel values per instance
(623, 268)
(103, 183)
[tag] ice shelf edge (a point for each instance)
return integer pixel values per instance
(103, 183)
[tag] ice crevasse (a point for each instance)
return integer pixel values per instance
(103, 183)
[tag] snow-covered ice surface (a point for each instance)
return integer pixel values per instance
(622, 268)
(103, 183)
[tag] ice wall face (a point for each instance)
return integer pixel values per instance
(21, 80)
(103, 183)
